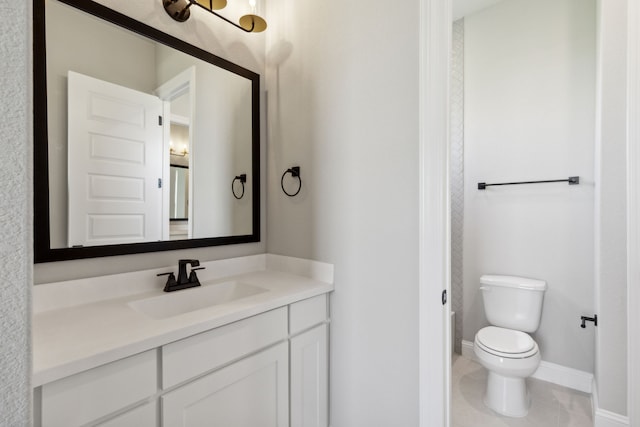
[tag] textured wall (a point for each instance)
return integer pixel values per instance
(456, 178)
(15, 214)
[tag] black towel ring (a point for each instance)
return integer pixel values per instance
(295, 173)
(242, 178)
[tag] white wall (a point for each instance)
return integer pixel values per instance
(611, 231)
(218, 37)
(529, 115)
(16, 215)
(213, 201)
(343, 105)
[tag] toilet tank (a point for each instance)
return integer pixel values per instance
(513, 302)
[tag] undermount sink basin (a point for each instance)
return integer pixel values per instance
(192, 299)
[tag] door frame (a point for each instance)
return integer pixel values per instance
(435, 370)
(434, 236)
(184, 82)
(633, 212)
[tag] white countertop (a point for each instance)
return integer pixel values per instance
(73, 338)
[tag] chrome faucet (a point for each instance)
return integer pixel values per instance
(183, 281)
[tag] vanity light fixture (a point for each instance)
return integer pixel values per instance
(179, 10)
(182, 152)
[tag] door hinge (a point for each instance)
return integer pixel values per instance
(159, 182)
(444, 297)
(159, 120)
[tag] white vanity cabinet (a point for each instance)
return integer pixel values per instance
(267, 370)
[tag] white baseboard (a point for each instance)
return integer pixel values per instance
(467, 350)
(564, 376)
(604, 418)
(550, 372)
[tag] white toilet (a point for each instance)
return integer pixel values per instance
(513, 306)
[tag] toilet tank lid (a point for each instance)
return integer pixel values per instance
(513, 282)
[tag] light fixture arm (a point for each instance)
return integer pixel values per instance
(179, 11)
(194, 2)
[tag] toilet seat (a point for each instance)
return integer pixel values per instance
(506, 343)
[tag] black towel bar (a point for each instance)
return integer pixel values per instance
(572, 180)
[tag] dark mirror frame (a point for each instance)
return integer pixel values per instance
(42, 250)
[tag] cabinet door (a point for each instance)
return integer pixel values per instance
(251, 392)
(309, 378)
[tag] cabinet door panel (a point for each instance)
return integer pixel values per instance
(249, 393)
(309, 378)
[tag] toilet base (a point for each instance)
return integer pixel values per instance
(507, 396)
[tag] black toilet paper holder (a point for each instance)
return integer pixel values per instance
(593, 319)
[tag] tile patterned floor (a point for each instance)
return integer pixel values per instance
(551, 406)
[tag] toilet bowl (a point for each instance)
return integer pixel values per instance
(513, 307)
(509, 356)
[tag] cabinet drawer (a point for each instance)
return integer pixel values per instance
(200, 353)
(307, 313)
(92, 394)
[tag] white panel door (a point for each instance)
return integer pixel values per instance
(250, 393)
(310, 378)
(115, 162)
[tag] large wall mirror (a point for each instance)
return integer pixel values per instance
(139, 138)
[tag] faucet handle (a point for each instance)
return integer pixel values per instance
(193, 278)
(171, 281)
(169, 273)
